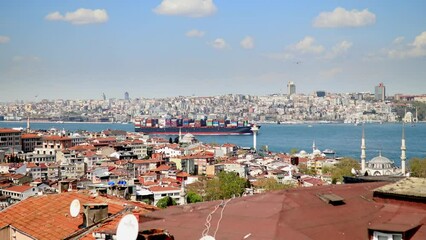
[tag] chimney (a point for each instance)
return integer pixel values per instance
(94, 213)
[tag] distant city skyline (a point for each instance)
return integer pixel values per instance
(166, 48)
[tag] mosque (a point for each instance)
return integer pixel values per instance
(380, 165)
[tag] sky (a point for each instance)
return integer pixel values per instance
(163, 48)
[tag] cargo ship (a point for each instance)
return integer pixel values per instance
(174, 126)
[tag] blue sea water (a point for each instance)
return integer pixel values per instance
(345, 139)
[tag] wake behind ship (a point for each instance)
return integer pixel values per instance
(172, 126)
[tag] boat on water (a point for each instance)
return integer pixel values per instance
(328, 151)
(173, 126)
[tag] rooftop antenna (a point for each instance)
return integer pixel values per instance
(128, 228)
(75, 208)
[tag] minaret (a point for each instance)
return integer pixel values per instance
(254, 129)
(363, 151)
(314, 147)
(180, 135)
(28, 124)
(403, 149)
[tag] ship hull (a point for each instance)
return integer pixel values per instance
(196, 130)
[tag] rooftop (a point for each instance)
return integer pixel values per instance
(48, 216)
(290, 214)
(415, 187)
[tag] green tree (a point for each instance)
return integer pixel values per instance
(294, 151)
(225, 185)
(303, 168)
(344, 168)
(193, 197)
(165, 202)
(418, 167)
(270, 184)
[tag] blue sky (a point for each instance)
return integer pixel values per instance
(158, 48)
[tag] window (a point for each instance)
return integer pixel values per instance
(386, 236)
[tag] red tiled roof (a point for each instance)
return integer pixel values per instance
(56, 138)
(48, 217)
(182, 174)
(162, 168)
(29, 136)
(161, 189)
(83, 147)
(19, 189)
(8, 130)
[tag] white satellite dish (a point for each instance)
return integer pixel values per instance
(128, 228)
(75, 208)
(207, 237)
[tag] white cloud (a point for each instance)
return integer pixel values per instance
(398, 40)
(219, 43)
(341, 17)
(247, 43)
(80, 16)
(4, 39)
(195, 33)
(339, 49)
(415, 49)
(189, 8)
(307, 45)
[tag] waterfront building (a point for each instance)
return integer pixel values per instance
(10, 139)
(291, 88)
(380, 92)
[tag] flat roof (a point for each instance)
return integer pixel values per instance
(415, 187)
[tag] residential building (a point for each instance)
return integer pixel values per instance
(19, 193)
(173, 192)
(30, 141)
(380, 92)
(10, 139)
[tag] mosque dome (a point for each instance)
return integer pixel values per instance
(380, 162)
(316, 152)
(187, 138)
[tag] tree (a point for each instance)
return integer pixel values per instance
(343, 168)
(176, 139)
(225, 185)
(170, 140)
(418, 167)
(270, 184)
(165, 202)
(303, 168)
(294, 151)
(193, 197)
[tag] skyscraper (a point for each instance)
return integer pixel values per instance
(126, 96)
(380, 92)
(291, 88)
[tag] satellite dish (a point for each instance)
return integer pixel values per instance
(128, 228)
(75, 208)
(207, 237)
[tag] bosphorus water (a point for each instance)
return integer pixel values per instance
(345, 139)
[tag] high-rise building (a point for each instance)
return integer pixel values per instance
(380, 92)
(291, 88)
(126, 96)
